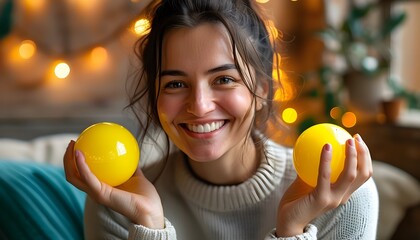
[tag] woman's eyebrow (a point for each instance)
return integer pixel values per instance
(221, 68)
(172, 73)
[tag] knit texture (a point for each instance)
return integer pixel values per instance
(198, 210)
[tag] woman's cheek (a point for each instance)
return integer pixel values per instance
(238, 104)
(168, 108)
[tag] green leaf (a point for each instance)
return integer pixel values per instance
(6, 18)
(354, 25)
(393, 22)
(358, 12)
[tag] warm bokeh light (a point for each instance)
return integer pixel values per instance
(286, 91)
(32, 5)
(87, 6)
(141, 26)
(276, 61)
(335, 113)
(272, 30)
(262, 1)
(27, 49)
(349, 119)
(62, 70)
(98, 56)
(289, 115)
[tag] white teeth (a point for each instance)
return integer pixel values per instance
(205, 128)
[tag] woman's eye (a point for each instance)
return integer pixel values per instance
(174, 84)
(224, 80)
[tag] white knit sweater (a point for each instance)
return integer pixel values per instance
(196, 210)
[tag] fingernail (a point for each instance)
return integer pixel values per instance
(359, 138)
(327, 147)
(350, 142)
(77, 153)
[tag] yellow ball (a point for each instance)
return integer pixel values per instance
(111, 152)
(308, 147)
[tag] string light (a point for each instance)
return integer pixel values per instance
(62, 70)
(98, 57)
(27, 49)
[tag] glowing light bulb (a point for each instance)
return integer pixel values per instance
(27, 49)
(141, 26)
(289, 115)
(62, 70)
(349, 119)
(98, 56)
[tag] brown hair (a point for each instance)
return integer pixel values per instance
(249, 37)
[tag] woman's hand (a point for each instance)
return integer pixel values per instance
(302, 203)
(137, 199)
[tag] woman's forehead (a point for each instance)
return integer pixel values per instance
(207, 43)
(203, 44)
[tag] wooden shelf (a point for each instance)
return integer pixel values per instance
(394, 144)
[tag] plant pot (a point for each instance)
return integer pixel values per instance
(392, 109)
(365, 92)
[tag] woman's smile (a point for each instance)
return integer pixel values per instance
(206, 127)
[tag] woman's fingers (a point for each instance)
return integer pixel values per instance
(86, 176)
(349, 173)
(357, 169)
(70, 168)
(364, 165)
(77, 171)
(324, 172)
(364, 158)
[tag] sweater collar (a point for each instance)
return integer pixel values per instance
(234, 197)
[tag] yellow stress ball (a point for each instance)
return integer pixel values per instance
(308, 147)
(111, 152)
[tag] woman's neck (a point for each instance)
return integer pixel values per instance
(234, 167)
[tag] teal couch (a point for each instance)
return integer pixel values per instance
(36, 202)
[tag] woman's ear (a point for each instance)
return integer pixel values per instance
(262, 94)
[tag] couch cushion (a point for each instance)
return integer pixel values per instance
(36, 202)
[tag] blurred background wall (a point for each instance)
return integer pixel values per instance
(68, 61)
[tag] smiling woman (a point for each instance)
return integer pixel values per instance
(206, 81)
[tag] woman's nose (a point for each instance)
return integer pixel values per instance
(201, 101)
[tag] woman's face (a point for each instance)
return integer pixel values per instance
(203, 104)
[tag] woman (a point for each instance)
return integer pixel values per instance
(206, 81)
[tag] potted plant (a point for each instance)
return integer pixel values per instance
(400, 98)
(358, 52)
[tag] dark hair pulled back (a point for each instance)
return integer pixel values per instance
(248, 35)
